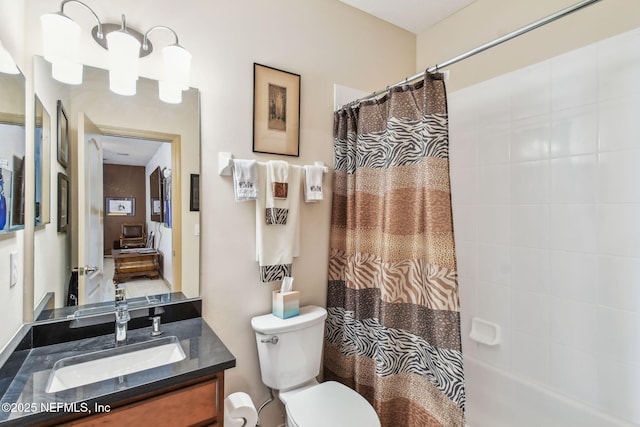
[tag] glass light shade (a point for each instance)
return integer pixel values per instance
(60, 37)
(7, 65)
(124, 55)
(169, 92)
(177, 66)
(67, 72)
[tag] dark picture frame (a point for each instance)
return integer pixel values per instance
(63, 135)
(120, 206)
(276, 111)
(63, 203)
(194, 193)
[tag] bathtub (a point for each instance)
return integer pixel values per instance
(498, 399)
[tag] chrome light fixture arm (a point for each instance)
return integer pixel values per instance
(145, 42)
(99, 33)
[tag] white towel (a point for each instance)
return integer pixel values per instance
(245, 179)
(277, 246)
(313, 183)
(277, 177)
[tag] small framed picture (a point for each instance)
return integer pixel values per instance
(63, 136)
(276, 111)
(194, 199)
(122, 206)
(63, 203)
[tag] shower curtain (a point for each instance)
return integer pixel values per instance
(393, 329)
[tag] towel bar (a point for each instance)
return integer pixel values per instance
(225, 164)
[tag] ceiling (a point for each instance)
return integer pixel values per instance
(413, 15)
(128, 151)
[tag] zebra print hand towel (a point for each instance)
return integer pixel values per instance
(276, 246)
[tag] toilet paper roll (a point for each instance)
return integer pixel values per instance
(239, 407)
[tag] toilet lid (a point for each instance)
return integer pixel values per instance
(331, 404)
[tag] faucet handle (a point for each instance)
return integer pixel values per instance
(156, 326)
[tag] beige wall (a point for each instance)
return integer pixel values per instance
(486, 20)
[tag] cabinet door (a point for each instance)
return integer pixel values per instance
(196, 405)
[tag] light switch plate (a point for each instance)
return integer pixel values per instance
(13, 269)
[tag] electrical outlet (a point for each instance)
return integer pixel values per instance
(13, 269)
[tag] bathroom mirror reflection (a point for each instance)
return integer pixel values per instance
(115, 143)
(12, 151)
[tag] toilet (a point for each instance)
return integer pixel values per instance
(290, 354)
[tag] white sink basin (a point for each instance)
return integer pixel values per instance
(89, 368)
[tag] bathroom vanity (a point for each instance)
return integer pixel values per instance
(56, 374)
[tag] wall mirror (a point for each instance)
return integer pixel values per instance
(42, 152)
(115, 144)
(12, 152)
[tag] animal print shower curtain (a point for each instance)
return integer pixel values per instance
(393, 330)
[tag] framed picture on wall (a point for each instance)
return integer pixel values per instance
(121, 206)
(63, 203)
(194, 199)
(276, 111)
(63, 136)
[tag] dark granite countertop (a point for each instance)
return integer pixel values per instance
(26, 402)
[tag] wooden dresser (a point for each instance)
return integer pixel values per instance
(135, 263)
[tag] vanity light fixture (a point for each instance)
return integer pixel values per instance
(125, 46)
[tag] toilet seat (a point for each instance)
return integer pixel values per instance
(330, 404)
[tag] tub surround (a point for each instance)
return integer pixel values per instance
(24, 375)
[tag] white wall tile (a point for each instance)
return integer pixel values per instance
(573, 227)
(574, 131)
(530, 226)
(574, 78)
(462, 149)
(530, 313)
(551, 175)
(530, 357)
(619, 335)
(531, 91)
(618, 124)
(493, 184)
(573, 179)
(464, 222)
(619, 176)
(573, 275)
(573, 372)
(466, 255)
(619, 230)
(530, 138)
(493, 143)
(493, 264)
(463, 186)
(529, 269)
(574, 324)
(530, 182)
(619, 66)
(498, 356)
(495, 224)
(493, 304)
(618, 279)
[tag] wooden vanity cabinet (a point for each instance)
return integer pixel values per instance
(197, 403)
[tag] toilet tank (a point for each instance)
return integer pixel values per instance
(295, 358)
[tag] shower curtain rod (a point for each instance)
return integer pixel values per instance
(544, 21)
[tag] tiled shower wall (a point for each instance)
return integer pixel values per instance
(545, 175)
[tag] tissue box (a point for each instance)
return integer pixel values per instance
(286, 304)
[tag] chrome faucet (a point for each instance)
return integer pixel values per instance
(122, 315)
(154, 315)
